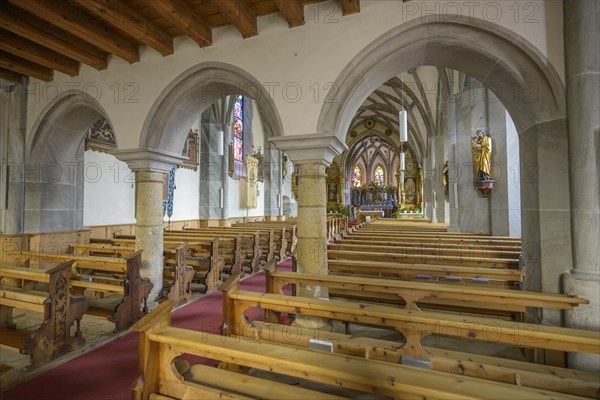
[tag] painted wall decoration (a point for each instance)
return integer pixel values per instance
(100, 137)
(169, 193)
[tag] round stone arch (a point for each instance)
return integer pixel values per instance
(520, 76)
(54, 156)
(182, 102)
(530, 89)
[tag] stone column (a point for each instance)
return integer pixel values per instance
(150, 167)
(149, 227)
(582, 30)
(312, 154)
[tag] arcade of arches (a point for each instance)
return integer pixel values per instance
(302, 125)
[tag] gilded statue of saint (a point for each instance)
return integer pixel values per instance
(481, 148)
(445, 177)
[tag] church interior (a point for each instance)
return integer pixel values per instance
(299, 199)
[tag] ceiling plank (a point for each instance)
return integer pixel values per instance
(16, 45)
(24, 67)
(72, 20)
(180, 14)
(11, 76)
(292, 10)
(239, 15)
(350, 6)
(124, 18)
(25, 25)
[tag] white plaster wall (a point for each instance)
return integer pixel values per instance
(108, 190)
(295, 65)
(186, 199)
(236, 197)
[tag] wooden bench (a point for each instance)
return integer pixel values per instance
(439, 236)
(109, 275)
(273, 240)
(59, 307)
(417, 295)
(413, 325)
(492, 277)
(428, 250)
(203, 256)
(290, 232)
(438, 259)
(519, 373)
(418, 243)
(178, 275)
(161, 377)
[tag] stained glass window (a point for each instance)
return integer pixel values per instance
(357, 177)
(379, 175)
(238, 129)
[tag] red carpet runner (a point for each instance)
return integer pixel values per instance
(106, 373)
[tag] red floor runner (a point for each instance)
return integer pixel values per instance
(106, 373)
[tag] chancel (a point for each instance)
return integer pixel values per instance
(303, 199)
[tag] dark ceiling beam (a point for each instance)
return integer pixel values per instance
(292, 10)
(181, 15)
(239, 15)
(69, 18)
(25, 25)
(121, 16)
(11, 76)
(16, 45)
(350, 6)
(24, 67)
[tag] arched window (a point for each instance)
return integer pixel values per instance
(238, 129)
(357, 177)
(379, 176)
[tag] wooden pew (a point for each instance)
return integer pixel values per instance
(506, 278)
(290, 232)
(417, 295)
(179, 291)
(427, 250)
(178, 275)
(441, 259)
(440, 236)
(419, 243)
(203, 256)
(60, 308)
(518, 373)
(110, 275)
(273, 240)
(413, 325)
(160, 378)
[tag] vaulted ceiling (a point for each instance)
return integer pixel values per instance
(422, 92)
(38, 37)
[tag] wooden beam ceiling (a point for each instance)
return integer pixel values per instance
(16, 45)
(239, 15)
(189, 22)
(11, 76)
(119, 15)
(72, 20)
(350, 6)
(292, 10)
(42, 33)
(39, 36)
(24, 67)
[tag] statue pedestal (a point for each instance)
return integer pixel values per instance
(485, 187)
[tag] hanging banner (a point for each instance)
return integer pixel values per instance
(252, 176)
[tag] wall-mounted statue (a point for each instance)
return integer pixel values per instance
(445, 178)
(481, 148)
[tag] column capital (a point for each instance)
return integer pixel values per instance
(149, 159)
(314, 147)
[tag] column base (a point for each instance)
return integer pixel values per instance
(586, 316)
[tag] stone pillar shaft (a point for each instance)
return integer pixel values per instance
(312, 223)
(149, 228)
(582, 29)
